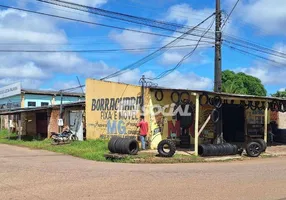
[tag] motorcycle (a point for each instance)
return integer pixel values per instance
(64, 137)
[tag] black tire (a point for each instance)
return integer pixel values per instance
(201, 99)
(213, 116)
(171, 145)
(74, 138)
(111, 144)
(172, 97)
(161, 95)
(262, 142)
(253, 149)
(131, 147)
(217, 102)
(185, 101)
(119, 145)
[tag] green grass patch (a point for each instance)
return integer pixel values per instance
(94, 150)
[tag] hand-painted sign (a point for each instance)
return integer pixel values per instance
(10, 90)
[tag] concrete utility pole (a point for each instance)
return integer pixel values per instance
(217, 81)
(217, 69)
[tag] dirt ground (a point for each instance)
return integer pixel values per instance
(36, 174)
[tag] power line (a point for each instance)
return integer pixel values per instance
(230, 13)
(153, 54)
(254, 55)
(91, 50)
(94, 23)
(273, 53)
(121, 16)
(167, 72)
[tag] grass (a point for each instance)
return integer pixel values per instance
(95, 150)
(91, 149)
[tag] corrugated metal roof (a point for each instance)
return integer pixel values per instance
(51, 92)
(20, 110)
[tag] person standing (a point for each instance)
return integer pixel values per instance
(143, 125)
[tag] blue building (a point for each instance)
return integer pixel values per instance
(13, 97)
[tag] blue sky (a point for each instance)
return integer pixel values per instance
(257, 21)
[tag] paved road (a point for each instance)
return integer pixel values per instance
(34, 174)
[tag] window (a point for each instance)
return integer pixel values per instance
(31, 104)
(44, 103)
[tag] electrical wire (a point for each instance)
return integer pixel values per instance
(258, 49)
(93, 23)
(254, 55)
(153, 54)
(91, 50)
(167, 72)
(121, 16)
(230, 14)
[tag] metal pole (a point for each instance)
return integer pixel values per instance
(142, 95)
(218, 81)
(61, 109)
(197, 115)
(265, 122)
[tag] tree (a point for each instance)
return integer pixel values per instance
(241, 83)
(281, 94)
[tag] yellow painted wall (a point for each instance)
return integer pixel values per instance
(103, 118)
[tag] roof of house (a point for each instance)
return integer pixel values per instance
(52, 92)
(20, 110)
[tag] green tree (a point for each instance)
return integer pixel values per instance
(281, 94)
(241, 83)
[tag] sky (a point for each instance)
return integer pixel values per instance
(258, 21)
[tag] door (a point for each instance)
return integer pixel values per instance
(42, 124)
(76, 124)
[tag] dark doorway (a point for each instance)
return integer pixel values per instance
(233, 123)
(42, 124)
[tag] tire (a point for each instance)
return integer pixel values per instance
(201, 98)
(172, 97)
(253, 149)
(131, 147)
(74, 138)
(217, 102)
(262, 142)
(185, 101)
(118, 145)
(161, 95)
(111, 144)
(171, 145)
(215, 119)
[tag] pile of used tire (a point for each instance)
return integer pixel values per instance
(217, 149)
(166, 148)
(123, 146)
(255, 147)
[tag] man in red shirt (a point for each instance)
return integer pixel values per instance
(143, 131)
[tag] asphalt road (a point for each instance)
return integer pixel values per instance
(35, 174)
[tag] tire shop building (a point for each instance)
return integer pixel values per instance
(186, 116)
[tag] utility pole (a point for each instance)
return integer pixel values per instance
(143, 81)
(217, 69)
(61, 110)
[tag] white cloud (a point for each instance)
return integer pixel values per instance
(270, 73)
(25, 82)
(176, 80)
(269, 16)
(128, 39)
(26, 71)
(36, 32)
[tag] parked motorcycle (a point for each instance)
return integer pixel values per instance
(64, 137)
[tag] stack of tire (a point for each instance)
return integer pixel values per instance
(123, 146)
(185, 141)
(217, 149)
(255, 147)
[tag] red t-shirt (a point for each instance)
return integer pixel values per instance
(143, 127)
